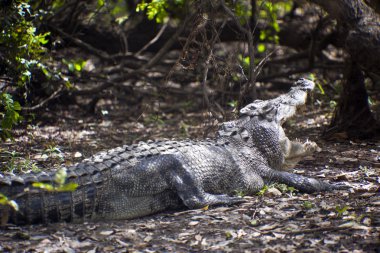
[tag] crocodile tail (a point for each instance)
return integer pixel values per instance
(42, 206)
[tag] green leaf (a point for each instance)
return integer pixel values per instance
(5, 201)
(312, 77)
(71, 67)
(370, 101)
(333, 104)
(276, 26)
(121, 19)
(78, 66)
(156, 9)
(58, 4)
(276, 39)
(100, 3)
(25, 76)
(46, 72)
(263, 35)
(307, 205)
(233, 103)
(31, 30)
(320, 88)
(74, 65)
(261, 48)
(69, 187)
(254, 222)
(247, 60)
(44, 186)
(263, 191)
(16, 106)
(141, 6)
(340, 210)
(68, 84)
(42, 38)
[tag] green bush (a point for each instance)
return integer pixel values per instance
(22, 49)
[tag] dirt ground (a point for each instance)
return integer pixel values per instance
(279, 220)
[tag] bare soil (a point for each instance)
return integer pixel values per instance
(277, 221)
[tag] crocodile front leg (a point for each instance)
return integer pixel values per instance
(304, 184)
(301, 183)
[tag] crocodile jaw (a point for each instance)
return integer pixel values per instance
(283, 107)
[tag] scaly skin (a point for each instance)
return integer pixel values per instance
(146, 178)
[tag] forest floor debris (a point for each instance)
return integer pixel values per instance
(279, 220)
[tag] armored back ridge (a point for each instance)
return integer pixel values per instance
(149, 177)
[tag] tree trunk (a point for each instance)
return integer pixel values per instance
(352, 117)
(361, 26)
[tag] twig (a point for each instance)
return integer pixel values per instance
(107, 83)
(313, 230)
(167, 45)
(74, 11)
(296, 71)
(160, 32)
(98, 89)
(251, 75)
(287, 59)
(261, 64)
(127, 59)
(5, 82)
(78, 42)
(204, 86)
(283, 74)
(43, 102)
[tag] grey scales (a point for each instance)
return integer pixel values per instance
(149, 177)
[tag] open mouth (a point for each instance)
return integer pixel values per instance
(278, 111)
(281, 108)
(269, 116)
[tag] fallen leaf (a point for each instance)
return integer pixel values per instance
(354, 225)
(269, 226)
(193, 223)
(130, 234)
(205, 208)
(255, 234)
(273, 192)
(77, 154)
(107, 232)
(76, 244)
(109, 248)
(148, 238)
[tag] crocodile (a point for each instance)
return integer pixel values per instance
(149, 177)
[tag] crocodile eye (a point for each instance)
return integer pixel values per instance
(244, 134)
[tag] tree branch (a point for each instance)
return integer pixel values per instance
(160, 32)
(252, 73)
(167, 45)
(54, 95)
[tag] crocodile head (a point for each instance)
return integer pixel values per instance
(260, 125)
(281, 108)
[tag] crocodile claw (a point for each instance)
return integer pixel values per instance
(339, 186)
